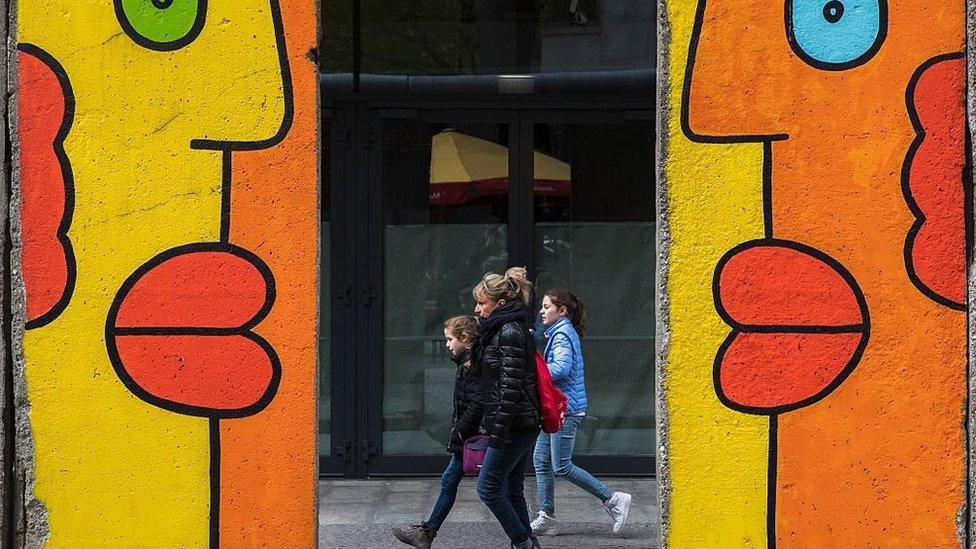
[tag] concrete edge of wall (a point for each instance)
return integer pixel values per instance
(6, 383)
(31, 528)
(663, 244)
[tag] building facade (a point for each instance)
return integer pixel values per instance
(818, 192)
(466, 137)
(236, 228)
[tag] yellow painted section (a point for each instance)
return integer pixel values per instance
(112, 470)
(716, 457)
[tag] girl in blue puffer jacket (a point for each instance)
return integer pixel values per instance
(564, 318)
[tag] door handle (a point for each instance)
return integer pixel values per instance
(369, 137)
(368, 450)
(368, 294)
(345, 137)
(344, 295)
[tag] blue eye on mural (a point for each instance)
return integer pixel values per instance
(836, 34)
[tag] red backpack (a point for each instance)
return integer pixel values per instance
(552, 401)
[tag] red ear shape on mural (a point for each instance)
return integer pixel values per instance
(45, 111)
(800, 325)
(934, 179)
(180, 332)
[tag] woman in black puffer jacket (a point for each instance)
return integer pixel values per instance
(504, 355)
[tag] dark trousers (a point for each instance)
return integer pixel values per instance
(449, 486)
(501, 483)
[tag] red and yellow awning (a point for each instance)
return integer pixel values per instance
(463, 168)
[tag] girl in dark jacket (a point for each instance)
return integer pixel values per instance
(504, 356)
(460, 333)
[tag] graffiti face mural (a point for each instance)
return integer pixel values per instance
(163, 291)
(843, 303)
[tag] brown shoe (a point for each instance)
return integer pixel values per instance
(418, 535)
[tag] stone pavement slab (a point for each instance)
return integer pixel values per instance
(358, 514)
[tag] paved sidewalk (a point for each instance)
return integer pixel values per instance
(359, 514)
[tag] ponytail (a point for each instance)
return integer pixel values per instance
(518, 283)
(513, 285)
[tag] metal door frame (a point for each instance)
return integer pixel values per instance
(371, 446)
(357, 252)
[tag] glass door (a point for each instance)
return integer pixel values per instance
(440, 218)
(424, 203)
(594, 234)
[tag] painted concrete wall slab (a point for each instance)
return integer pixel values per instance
(168, 207)
(817, 188)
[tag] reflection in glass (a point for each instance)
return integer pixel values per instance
(445, 190)
(598, 241)
(456, 37)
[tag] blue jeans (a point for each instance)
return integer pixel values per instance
(450, 481)
(554, 458)
(501, 484)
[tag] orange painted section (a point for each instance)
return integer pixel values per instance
(933, 170)
(274, 213)
(772, 285)
(778, 298)
(228, 372)
(46, 261)
(880, 462)
(888, 446)
(227, 291)
(182, 332)
(768, 371)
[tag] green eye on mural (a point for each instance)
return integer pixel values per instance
(162, 25)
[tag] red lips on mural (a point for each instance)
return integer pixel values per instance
(46, 111)
(933, 179)
(800, 325)
(180, 332)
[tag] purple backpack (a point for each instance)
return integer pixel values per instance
(474, 453)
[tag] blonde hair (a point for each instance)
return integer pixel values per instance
(464, 327)
(513, 285)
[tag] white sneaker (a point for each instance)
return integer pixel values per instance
(618, 506)
(545, 525)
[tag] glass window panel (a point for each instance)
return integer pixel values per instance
(445, 191)
(594, 35)
(454, 37)
(335, 51)
(595, 234)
